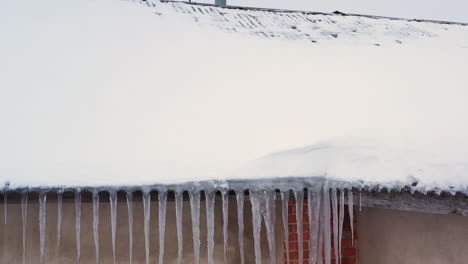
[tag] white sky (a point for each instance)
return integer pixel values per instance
(447, 10)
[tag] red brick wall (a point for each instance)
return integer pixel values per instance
(349, 254)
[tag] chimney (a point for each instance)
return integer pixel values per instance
(220, 2)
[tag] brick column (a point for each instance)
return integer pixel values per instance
(348, 249)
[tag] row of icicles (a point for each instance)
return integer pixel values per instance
(326, 206)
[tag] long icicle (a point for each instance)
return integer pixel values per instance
(360, 200)
(284, 213)
(179, 201)
(269, 215)
(42, 222)
(299, 219)
(350, 212)
(210, 202)
(59, 216)
(5, 204)
(240, 222)
(341, 221)
(24, 218)
(335, 223)
(113, 208)
(195, 211)
(257, 225)
(147, 216)
(130, 226)
(310, 213)
(321, 239)
(162, 197)
(225, 197)
(313, 200)
(96, 223)
(326, 224)
(78, 224)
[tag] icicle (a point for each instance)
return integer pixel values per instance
(284, 212)
(59, 216)
(179, 201)
(326, 224)
(78, 224)
(341, 221)
(299, 219)
(360, 203)
(257, 225)
(147, 215)
(335, 223)
(195, 211)
(350, 211)
(162, 196)
(42, 222)
(96, 223)
(225, 197)
(130, 226)
(269, 215)
(240, 222)
(5, 204)
(113, 208)
(314, 211)
(321, 239)
(210, 201)
(24, 218)
(310, 212)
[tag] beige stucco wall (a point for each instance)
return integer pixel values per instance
(11, 242)
(390, 236)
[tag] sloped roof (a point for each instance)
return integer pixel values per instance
(314, 26)
(112, 93)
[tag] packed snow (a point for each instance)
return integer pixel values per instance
(117, 93)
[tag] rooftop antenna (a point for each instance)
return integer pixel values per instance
(220, 2)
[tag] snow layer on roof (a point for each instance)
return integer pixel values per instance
(313, 27)
(116, 93)
(360, 163)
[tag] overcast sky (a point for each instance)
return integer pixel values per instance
(448, 10)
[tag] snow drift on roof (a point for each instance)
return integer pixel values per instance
(361, 163)
(115, 93)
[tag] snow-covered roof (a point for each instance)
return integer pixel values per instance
(117, 93)
(314, 27)
(356, 163)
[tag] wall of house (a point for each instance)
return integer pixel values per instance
(11, 234)
(385, 236)
(390, 236)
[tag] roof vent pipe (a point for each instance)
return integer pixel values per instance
(220, 2)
